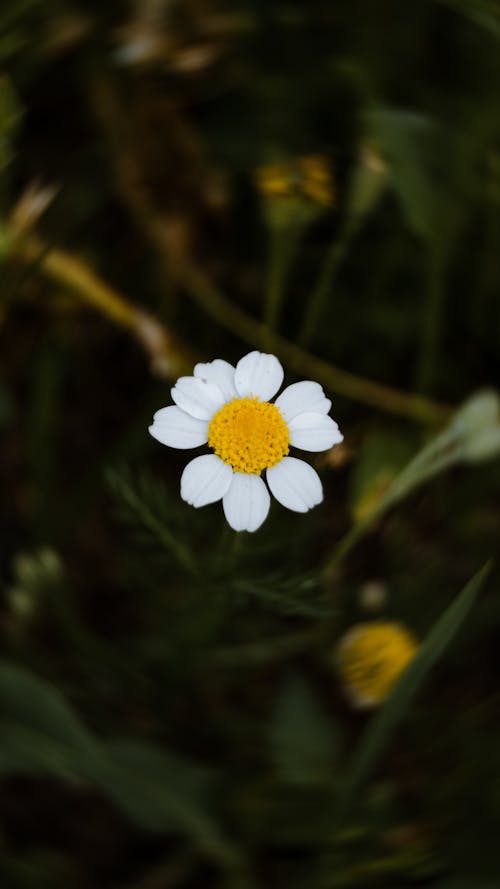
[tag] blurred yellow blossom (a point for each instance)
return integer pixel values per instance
(371, 657)
(307, 178)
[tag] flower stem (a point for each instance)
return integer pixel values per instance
(168, 356)
(316, 304)
(283, 241)
(435, 457)
(432, 323)
(229, 316)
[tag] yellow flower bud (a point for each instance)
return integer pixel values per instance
(307, 179)
(371, 657)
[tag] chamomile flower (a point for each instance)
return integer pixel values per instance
(229, 408)
(371, 657)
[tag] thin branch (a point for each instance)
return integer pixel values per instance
(168, 356)
(385, 398)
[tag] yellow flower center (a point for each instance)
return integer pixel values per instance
(249, 434)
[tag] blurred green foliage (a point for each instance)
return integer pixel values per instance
(170, 711)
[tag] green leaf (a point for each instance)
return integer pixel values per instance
(383, 724)
(159, 791)
(30, 751)
(35, 705)
(426, 162)
(382, 457)
(472, 435)
(476, 425)
(163, 792)
(482, 12)
(303, 741)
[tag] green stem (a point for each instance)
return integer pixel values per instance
(168, 356)
(434, 458)
(316, 304)
(229, 316)
(283, 242)
(432, 322)
(349, 540)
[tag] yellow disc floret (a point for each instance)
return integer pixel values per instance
(249, 434)
(371, 657)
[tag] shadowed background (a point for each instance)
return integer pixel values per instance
(181, 181)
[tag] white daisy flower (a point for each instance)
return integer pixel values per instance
(230, 409)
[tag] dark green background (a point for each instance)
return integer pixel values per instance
(170, 713)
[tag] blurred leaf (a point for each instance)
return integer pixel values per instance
(477, 426)
(383, 455)
(380, 729)
(157, 790)
(403, 138)
(287, 814)
(38, 867)
(472, 435)
(483, 12)
(35, 705)
(304, 742)
(425, 161)
(26, 751)
(162, 792)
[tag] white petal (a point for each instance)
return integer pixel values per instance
(205, 480)
(314, 432)
(300, 398)
(219, 372)
(173, 427)
(246, 504)
(197, 397)
(258, 375)
(295, 484)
